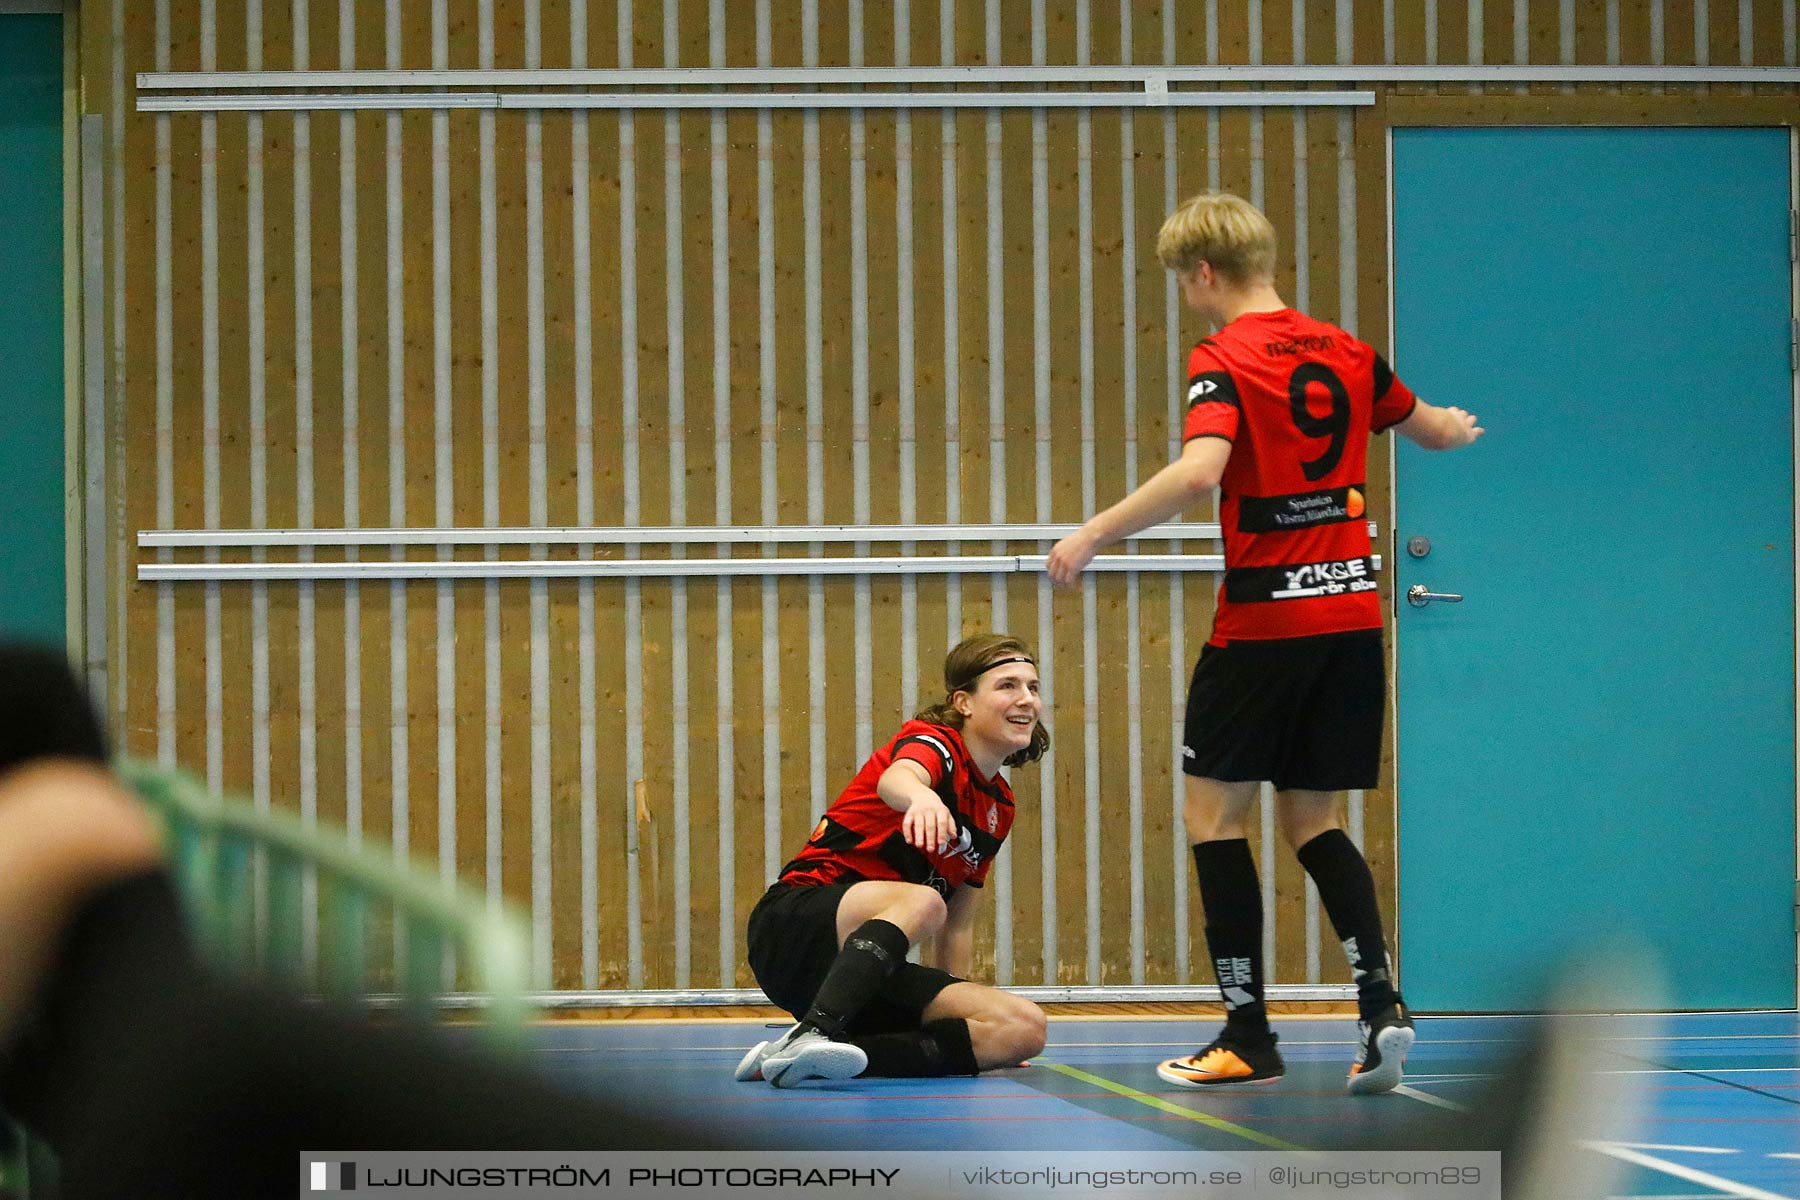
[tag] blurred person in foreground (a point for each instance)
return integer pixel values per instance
(149, 1076)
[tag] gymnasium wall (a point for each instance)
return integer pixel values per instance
(459, 319)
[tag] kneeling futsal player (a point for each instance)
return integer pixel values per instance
(898, 858)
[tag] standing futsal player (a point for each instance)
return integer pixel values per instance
(896, 859)
(1291, 687)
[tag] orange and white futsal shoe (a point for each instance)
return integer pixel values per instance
(1229, 1059)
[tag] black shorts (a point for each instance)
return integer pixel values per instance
(792, 942)
(1297, 712)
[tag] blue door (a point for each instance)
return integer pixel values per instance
(1600, 740)
(32, 583)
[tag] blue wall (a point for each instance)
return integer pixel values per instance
(32, 529)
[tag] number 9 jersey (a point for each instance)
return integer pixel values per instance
(1297, 399)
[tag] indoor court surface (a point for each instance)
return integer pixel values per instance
(1722, 1092)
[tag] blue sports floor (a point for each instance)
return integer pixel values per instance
(1722, 1092)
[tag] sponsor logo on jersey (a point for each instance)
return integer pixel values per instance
(1327, 579)
(1272, 514)
(1297, 581)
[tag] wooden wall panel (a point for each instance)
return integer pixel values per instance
(786, 149)
(355, 717)
(1110, 484)
(1769, 45)
(745, 466)
(183, 382)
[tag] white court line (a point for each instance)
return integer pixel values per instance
(1448, 1077)
(1702, 1072)
(1427, 1098)
(1713, 1037)
(1642, 1071)
(1717, 1037)
(1729, 1187)
(1679, 1149)
(1794, 1156)
(640, 1049)
(1180, 1042)
(1741, 1014)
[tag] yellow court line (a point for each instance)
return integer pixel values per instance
(1161, 1105)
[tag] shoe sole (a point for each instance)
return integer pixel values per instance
(826, 1060)
(1392, 1044)
(751, 1067)
(1168, 1076)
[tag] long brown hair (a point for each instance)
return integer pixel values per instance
(963, 666)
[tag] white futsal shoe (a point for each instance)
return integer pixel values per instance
(798, 1056)
(1382, 1056)
(751, 1067)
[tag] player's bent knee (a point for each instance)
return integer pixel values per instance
(1209, 823)
(1034, 1031)
(1023, 1028)
(918, 910)
(927, 908)
(1212, 827)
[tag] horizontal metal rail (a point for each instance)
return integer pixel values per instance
(1146, 76)
(206, 539)
(660, 101)
(675, 568)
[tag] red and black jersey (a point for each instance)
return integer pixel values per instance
(1297, 399)
(859, 836)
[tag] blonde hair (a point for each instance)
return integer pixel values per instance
(1225, 230)
(963, 668)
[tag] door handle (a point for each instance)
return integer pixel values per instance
(1418, 595)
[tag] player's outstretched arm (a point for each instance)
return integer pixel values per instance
(1437, 428)
(905, 788)
(1162, 496)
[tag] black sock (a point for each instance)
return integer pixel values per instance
(1347, 891)
(1234, 928)
(937, 1048)
(873, 951)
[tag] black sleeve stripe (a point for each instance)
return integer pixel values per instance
(1197, 436)
(1212, 387)
(1397, 420)
(832, 835)
(946, 764)
(1384, 378)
